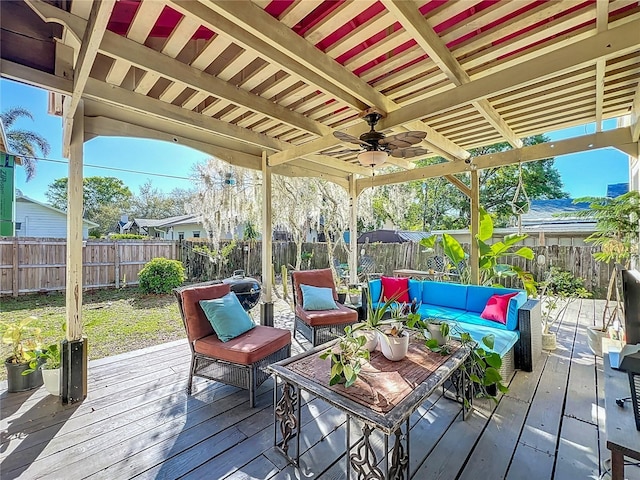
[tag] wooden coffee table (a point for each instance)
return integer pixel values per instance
(383, 398)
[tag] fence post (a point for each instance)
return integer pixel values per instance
(16, 266)
(116, 261)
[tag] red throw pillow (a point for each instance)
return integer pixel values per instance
(496, 308)
(392, 286)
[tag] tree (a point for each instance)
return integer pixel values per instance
(104, 198)
(152, 202)
(226, 196)
(24, 143)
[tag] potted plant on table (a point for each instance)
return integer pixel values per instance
(347, 356)
(394, 341)
(25, 343)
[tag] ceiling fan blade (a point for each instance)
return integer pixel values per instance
(341, 152)
(345, 137)
(408, 152)
(403, 140)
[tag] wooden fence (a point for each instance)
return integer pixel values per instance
(389, 257)
(29, 265)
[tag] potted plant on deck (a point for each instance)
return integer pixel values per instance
(617, 234)
(48, 360)
(25, 344)
(559, 290)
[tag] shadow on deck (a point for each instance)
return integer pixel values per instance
(139, 422)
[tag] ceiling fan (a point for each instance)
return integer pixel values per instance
(377, 146)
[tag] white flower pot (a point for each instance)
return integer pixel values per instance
(394, 348)
(594, 340)
(370, 335)
(354, 299)
(51, 379)
(433, 330)
(549, 341)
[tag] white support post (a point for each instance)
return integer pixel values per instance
(267, 250)
(74, 226)
(475, 226)
(73, 352)
(353, 230)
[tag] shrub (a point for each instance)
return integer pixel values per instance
(127, 236)
(161, 275)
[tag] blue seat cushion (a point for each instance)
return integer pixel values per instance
(477, 298)
(439, 313)
(442, 294)
(504, 340)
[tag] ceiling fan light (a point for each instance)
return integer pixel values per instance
(372, 158)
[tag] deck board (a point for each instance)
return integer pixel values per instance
(139, 422)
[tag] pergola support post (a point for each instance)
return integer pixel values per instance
(266, 308)
(353, 231)
(474, 259)
(74, 348)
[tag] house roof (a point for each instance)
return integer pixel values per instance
(163, 222)
(239, 78)
(392, 236)
(21, 197)
(556, 211)
(617, 189)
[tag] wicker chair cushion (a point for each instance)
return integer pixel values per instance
(198, 325)
(320, 318)
(248, 348)
(317, 278)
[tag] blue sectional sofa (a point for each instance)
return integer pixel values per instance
(519, 341)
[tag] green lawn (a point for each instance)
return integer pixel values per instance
(115, 321)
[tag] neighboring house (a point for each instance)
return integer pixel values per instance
(36, 219)
(172, 228)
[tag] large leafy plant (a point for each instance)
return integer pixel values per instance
(23, 338)
(492, 256)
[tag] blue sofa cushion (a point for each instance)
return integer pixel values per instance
(504, 340)
(477, 296)
(442, 294)
(439, 313)
(415, 290)
(375, 291)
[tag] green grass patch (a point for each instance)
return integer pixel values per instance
(114, 321)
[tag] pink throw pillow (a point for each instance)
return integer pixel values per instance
(496, 308)
(392, 286)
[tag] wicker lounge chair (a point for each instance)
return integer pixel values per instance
(241, 361)
(319, 326)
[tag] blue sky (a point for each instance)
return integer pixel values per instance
(582, 174)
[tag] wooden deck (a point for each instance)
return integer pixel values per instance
(138, 422)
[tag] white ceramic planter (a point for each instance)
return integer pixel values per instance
(370, 335)
(549, 341)
(434, 332)
(594, 340)
(51, 379)
(354, 299)
(394, 348)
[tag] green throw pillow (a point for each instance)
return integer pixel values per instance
(227, 316)
(317, 298)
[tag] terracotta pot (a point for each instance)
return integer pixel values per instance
(394, 348)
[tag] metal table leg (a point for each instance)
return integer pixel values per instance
(286, 413)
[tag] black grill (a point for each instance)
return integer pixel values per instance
(247, 289)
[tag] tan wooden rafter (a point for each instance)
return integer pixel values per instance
(615, 41)
(635, 115)
(602, 20)
(91, 38)
(414, 22)
(610, 138)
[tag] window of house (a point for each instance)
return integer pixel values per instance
(180, 235)
(18, 225)
(196, 234)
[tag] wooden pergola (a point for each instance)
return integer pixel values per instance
(264, 84)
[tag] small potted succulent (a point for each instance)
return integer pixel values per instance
(355, 296)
